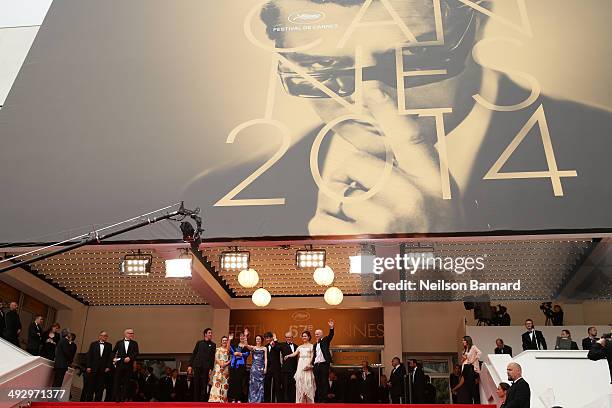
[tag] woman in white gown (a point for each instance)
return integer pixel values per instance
(304, 377)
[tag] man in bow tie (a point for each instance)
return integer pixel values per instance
(125, 353)
(201, 363)
(99, 361)
(533, 339)
(288, 369)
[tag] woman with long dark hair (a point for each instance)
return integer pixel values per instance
(470, 366)
(502, 390)
(50, 338)
(259, 365)
(304, 377)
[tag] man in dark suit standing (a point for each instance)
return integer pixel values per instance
(124, 355)
(397, 381)
(99, 362)
(188, 388)
(602, 349)
(35, 336)
(416, 382)
(201, 363)
(368, 384)
(272, 383)
(335, 393)
(288, 369)
(12, 324)
(321, 360)
(533, 339)
(519, 394)
(171, 388)
(592, 338)
(502, 348)
(2, 321)
(64, 355)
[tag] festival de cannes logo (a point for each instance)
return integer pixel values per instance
(300, 316)
(306, 17)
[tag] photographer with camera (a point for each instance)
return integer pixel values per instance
(554, 315)
(602, 349)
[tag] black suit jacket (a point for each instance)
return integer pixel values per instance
(203, 355)
(519, 395)
(418, 385)
(397, 379)
(587, 343)
(289, 365)
(337, 389)
(34, 339)
(324, 342)
(528, 344)
(274, 357)
(98, 362)
(2, 323)
(368, 388)
(599, 352)
(167, 389)
(12, 325)
(64, 353)
(119, 352)
(504, 350)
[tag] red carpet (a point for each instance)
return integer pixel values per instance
(214, 405)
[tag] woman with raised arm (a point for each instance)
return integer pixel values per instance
(304, 377)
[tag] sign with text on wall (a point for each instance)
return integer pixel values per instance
(352, 326)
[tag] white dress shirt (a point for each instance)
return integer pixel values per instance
(320, 357)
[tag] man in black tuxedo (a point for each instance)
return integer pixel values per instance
(416, 382)
(272, 384)
(397, 381)
(99, 362)
(124, 355)
(35, 336)
(591, 339)
(533, 339)
(335, 393)
(64, 356)
(12, 324)
(321, 360)
(288, 369)
(519, 394)
(602, 349)
(201, 363)
(502, 348)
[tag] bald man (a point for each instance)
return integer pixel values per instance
(288, 368)
(519, 394)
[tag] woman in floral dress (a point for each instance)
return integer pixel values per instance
(220, 377)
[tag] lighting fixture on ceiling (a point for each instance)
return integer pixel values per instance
(333, 296)
(248, 278)
(261, 297)
(323, 276)
(310, 258)
(234, 260)
(136, 264)
(180, 267)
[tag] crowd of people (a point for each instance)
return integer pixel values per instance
(280, 371)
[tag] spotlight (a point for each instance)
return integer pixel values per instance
(310, 258)
(136, 264)
(180, 267)
(234, 260)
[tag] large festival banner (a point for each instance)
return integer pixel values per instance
(296, 118)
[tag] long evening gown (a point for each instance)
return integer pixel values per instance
(220, 378)
(304, 379)
(256, 381)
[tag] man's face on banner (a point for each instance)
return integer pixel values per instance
(334, 66)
